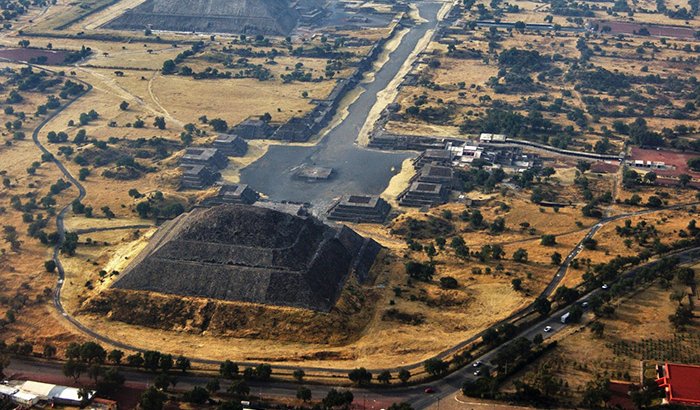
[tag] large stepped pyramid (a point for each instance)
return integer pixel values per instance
(275, 17)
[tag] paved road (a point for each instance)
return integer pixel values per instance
(358, 170)
(375, 398)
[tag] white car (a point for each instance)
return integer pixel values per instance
(604, 287)
(477, 363)
(548, 329)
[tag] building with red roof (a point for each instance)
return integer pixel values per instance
(681, 383)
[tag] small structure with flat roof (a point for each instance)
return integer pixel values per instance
(436, 174)
(681, 383)
(421, 194)
(197, 176)
(231, 145)
(211, 158)
(253, 128)
(310, 172)
(360, 209)
(233, 194)
(297, 129)
(441, 157)
(6, 391)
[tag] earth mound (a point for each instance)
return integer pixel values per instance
(243, 253)
(275, 17)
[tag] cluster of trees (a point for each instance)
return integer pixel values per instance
(170, 66)
(89, 358)
(156, 206)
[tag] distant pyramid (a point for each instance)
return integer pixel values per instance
(276, 17)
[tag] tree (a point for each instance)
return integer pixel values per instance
(517, 284)
(50, 266)
(115, 356)
(239, 388)
(436, 367)
(643, 396)
(684, 180)
(218, 124)
(404, 375)
(360, 376)
(49, 351)
(498, 225)
(448, 282)
(124, 106)
(556, 258)
(107, 212)
(520, 255)
(159, 122)
(228, 369)
(91, 352)
(111, 381)
(151, 360)
(134, 193)
(162, 381)
(430, 251)
(542, 305)
(83, 173)
(183, 363)
(400, 406)
(384, 377)
(213, 385)
(597, 329)
(596, 393)
(590, 243)
(548, 240)
(686, 275)
(263, 371)
(304, 394)
(198, 395)
(420, 271)
(583, 166)
(166, 362)
(152, 399)
(654, 202)
(230, 405)
(169, 67)
(73, 369)
(135, 360)
(299, 375)
(566, 294)
(336, 398)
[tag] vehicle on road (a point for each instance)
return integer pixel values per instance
(478, 373)
(565, 317)
(477, 363)
(547, 329)
(605, 286)
(429, 390)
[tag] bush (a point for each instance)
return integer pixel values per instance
(50, 266)
(449, 282)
